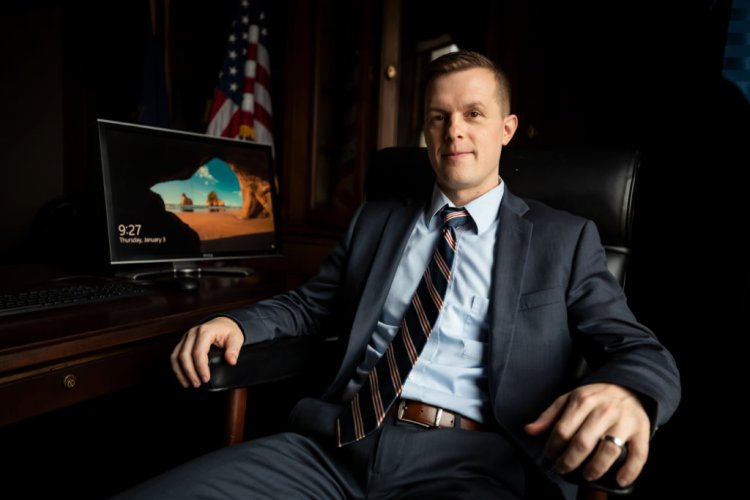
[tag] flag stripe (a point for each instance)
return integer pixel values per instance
(263, 102)
(224, 109)
(264, 61)
(242, 100)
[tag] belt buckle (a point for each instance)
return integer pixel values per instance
(402, 408)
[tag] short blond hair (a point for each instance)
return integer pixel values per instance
(465, 59)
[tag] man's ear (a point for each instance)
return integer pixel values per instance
(510, 124)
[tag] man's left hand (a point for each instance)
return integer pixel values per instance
(580, 419)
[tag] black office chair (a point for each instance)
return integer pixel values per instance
(596, 184)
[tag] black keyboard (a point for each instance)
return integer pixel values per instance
(67, 295)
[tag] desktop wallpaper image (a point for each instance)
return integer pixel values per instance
(218, 201)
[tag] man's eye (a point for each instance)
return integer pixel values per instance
(437, 118)
(475, 114)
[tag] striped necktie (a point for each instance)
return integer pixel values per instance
(385, 382)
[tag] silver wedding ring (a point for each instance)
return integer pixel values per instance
(614, 439)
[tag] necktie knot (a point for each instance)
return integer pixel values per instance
(455, 217)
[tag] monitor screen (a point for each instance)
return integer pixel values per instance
(174, 196)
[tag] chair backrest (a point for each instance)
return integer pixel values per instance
(598, 184)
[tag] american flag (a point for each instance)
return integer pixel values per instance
(242, 99)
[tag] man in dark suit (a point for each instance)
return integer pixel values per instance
(492, 406)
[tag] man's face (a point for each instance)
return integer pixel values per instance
(465, 130)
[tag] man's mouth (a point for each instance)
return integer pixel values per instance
(456, 154)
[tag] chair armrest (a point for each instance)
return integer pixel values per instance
(262, 363)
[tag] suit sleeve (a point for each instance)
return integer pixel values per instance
(616, 347)
(300, 311)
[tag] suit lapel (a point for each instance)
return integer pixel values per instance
(511, 250)
(395, 235)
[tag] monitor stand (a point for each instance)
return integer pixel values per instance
(185, 269)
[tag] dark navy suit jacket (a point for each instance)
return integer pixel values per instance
(552, 301)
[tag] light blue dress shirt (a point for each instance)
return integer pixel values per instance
(451, 371)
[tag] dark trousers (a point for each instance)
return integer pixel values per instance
(400, 460)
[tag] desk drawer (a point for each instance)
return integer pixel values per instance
(35, 392)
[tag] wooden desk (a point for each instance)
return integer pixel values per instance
(61, 357)
(88, 402)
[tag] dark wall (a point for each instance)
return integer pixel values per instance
(648, 75)
(31, 138)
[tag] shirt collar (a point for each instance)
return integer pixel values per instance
(483, 210)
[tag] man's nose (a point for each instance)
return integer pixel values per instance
(454, 128)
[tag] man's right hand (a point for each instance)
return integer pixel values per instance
(190, 356)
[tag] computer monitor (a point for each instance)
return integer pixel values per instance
(175, 200)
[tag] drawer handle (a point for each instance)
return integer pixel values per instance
(70, 381)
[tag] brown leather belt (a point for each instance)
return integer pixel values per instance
(430, 416)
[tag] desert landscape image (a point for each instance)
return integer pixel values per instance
(220, 201)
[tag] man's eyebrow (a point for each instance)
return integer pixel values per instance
(471, 105)
(475, 104)
(435, 109)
